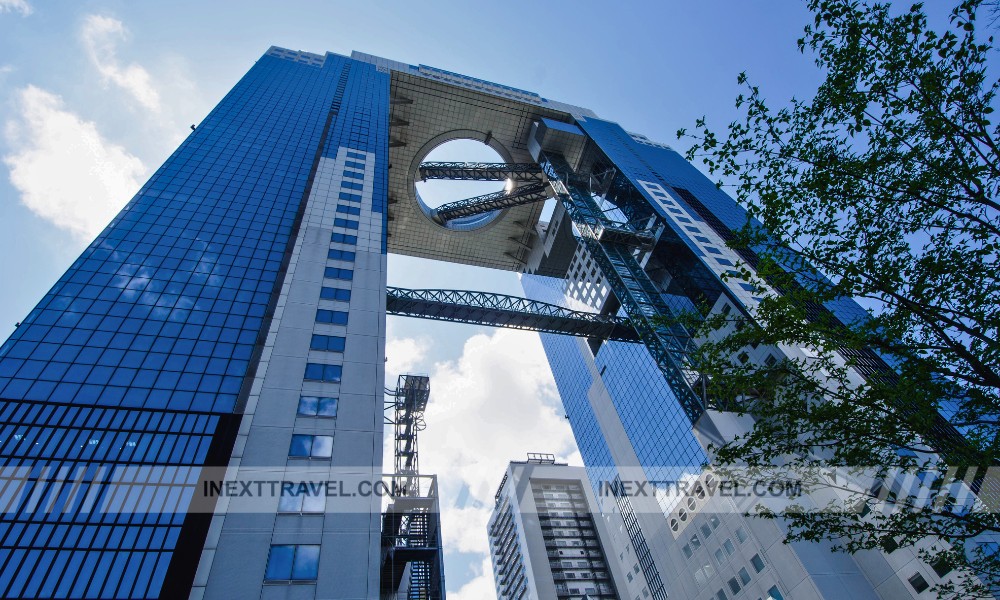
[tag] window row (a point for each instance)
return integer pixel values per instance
(52, 415)
(77, 444)
(80, 574)
(72, 536)
(345, 223)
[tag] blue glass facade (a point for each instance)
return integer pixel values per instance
(143, 351)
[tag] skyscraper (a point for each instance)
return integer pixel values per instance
(547, 538)
(220, 345)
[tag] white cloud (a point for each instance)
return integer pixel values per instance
(480, 586)
(100, 36)
(494, 404)
(20, 6)
(403, 355)
(66, 172)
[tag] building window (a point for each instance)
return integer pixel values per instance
(292, 563)
(346, 223)
(328, 293)
(327, 373)
(327, 343)
(350, 185)
(317, 406)
(706, 530)
(918, 582)
(311, 446)
(357, 156)
(744, 576)
(774, 594)
(335, 254)
(741, 534)
(354, 175)
(757, 562)
(301, 499)
(349, 197)
(721, 595)
(335, 273)
(348, 210)
(343, 238)
(734, 586)
(941, 567)
(725, 261)
(355, 165)
(335, 317)
(730, 548)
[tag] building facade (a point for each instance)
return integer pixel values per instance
(220, 345)
(546, 538)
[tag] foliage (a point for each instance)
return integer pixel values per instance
(886, 180)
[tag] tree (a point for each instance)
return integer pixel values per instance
(883, 186)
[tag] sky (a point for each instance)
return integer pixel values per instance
(95, 94)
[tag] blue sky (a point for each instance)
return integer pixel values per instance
(95, 94)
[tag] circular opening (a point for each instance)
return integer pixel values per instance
(673, 524)
(691, 503)
(436, 192)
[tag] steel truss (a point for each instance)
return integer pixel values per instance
(612, 245)
(474, 171)
(501, 310)
(523, 194)
(411, 529)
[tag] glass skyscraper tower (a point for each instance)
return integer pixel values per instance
(229, 325)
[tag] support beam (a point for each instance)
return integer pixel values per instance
(523, 194)
(472, 171)
(501, 310)
(612, 246)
